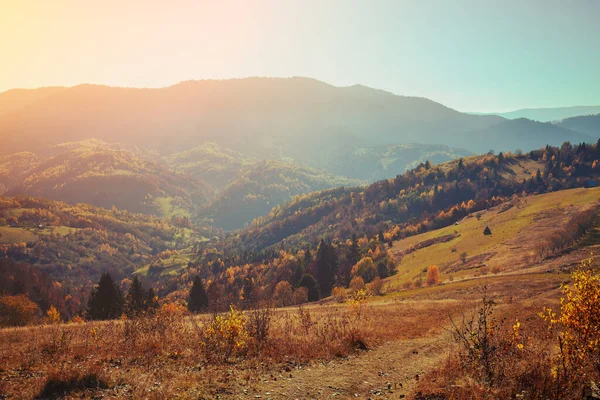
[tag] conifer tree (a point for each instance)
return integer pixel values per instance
(198, 300)
(248, 291)
(137, 299)
(326, 267)
(354, 253)
(106, 300)
(310, 283)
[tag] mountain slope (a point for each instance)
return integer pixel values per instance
(524, 132)
(414, 201)
(264, 185)
(103, 177)
(588, 124)
(551, 114)
(211, 163)
(17, 99)
(253, 115)
(74, 244)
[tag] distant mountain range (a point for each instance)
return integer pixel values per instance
(300, 119)
(548, 114)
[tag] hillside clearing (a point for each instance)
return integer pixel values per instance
(515, 228)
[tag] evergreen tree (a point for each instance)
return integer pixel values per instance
(248, 291)
(310, 283)
(307, 258)
(354, 252)
(198, 300)
(380, 236)
(106, 300)
(538, 176)
(326, 267)
(297, 275)
(137, 299)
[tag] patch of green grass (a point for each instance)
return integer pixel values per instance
(16, 235)
(171, 266)
(504, 225)
(167, 210)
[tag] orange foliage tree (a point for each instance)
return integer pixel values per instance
(433, 275)
(17, 310)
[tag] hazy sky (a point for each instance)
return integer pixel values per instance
(469, 55)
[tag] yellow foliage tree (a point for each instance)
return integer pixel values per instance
(579, 326)
(366, 269)
(53, 316)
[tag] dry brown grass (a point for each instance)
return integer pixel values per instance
(161, 357)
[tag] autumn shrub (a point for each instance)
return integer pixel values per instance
(339, 294)
(357, 301)
(561, 361)
(153, 331)
(300, 295)
(259, 325)
(576, 328)
(226, 336)
(376, 287)
(305, 318)
(494, 360)
(357, 283)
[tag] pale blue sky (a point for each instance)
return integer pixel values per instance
(468, 55)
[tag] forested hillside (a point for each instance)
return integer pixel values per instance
(210, 162)
(316, 240)
(588, 124)
(70, 246)
(264, 185)
(104, 177)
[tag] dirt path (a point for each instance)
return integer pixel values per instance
(390, 371)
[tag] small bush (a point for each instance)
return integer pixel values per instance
(357, 283)
(339, 294)
(376, 287)
(225, 336)
(301, 295)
